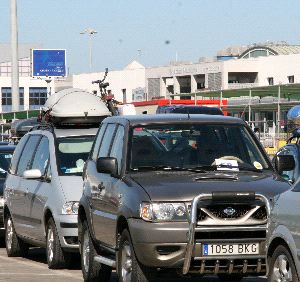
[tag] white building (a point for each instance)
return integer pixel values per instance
(33, 92)
(253, 67)
(232, 68)
(126, 85)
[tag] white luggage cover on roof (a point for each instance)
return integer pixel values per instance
(74, 102)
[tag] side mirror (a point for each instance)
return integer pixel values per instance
(32, 174)
(284, 163)
(107, 165)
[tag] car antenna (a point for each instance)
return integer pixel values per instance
(188, 113)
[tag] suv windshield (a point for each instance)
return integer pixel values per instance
(210, 146)
(72, 152)
(5, 159)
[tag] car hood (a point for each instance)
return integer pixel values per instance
(72, 187)
(183, 186)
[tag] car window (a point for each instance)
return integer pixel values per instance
(290, 174)
(105, 146)
(98, 141)
(72, 152)
(27, 154)
(195, 145)
(117, 147)
(5, 159)
(17, 153)
(41, 157)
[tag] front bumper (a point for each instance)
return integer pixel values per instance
(179, 245)
(67, 228)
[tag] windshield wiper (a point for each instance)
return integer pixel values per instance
(169, 168)
(237, 168)
(229, 168)
(218, 176)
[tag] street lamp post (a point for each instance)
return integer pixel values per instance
(14, 58)
(90, 32)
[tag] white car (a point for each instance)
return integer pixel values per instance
(42, 190)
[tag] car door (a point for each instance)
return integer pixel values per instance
(11, 191)
(39, 190)
(111, 192)
(290, 212)
(99, 184)
(21, 201)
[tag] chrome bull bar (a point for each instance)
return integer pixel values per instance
(193, 223)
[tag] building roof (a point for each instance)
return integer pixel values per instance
(24, 51)
(134, 65)
(271, 49)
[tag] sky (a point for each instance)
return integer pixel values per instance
(153, 32)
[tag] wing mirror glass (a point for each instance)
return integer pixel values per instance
(107, 165)
(32, 174)
(284, 163)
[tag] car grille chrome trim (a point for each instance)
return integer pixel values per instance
(211, 219)
(193, 220)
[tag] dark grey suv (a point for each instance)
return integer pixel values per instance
(186, 194)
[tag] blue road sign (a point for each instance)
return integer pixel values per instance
(48, 62)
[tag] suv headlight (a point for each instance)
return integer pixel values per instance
(70, 208)
(163, 212)
(1, 201)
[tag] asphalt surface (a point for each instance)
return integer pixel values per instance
(34, 268)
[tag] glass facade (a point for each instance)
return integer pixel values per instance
(24, 68)
(37, 97)
(7, 98)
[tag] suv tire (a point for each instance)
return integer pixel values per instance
(56, 257)
(128, 267)
(15, 247)
(91, 270)
(282, 266)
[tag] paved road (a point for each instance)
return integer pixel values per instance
(35, 269)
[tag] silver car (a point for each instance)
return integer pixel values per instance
(284, 236)
(42, 190)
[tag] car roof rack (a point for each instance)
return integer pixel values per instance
(43, 126)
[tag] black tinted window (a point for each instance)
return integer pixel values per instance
(104, 149)
(17, 153)
(117, 147)
(41, 156)
(27, 154)
(98, 141)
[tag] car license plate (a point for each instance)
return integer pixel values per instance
(230, 249)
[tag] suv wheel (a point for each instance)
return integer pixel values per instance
(129, 269)
(91, 270)
(15, 247)
(282, 266)
(56, 257)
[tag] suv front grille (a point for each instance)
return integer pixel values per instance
(239, 211)
(232, 213)
(260, 214)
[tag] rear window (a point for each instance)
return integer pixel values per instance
(72, 152)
